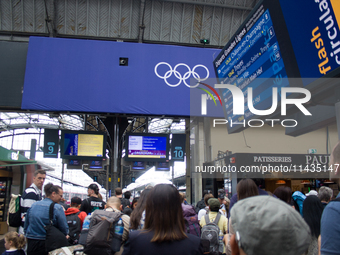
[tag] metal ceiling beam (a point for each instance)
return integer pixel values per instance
(210, 4)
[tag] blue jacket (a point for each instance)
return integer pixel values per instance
(38, 216)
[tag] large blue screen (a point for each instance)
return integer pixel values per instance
(85, 76)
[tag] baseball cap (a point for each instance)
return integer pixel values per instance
(76, 200)
(214, 204)
(93, 187)
(312, 192)
(266, 225)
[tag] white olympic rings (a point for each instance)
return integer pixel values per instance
(179, 76)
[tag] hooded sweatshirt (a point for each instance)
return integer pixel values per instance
(81, 215)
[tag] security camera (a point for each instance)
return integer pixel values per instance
(123, 61)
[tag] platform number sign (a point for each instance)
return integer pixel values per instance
(51, 143)
(178, 147)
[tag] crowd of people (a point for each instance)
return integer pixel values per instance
(161, 221)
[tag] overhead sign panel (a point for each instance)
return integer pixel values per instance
(278, 41)
(87, 76)
(315, 35)
(253, 58)
(178, 147)
(51, 143)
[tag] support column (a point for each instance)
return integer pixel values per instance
(188, 175)
(337, 115)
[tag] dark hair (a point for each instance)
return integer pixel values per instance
(50, 188)
(39, 171)
(94, 187)
(118, 191)
(259, 182)
(206, 192)
(135, 200)
(246, 188)
(164, 214)
(312, 211)
(284, 193)
(136, 214)
(127, 194)
(207, 197)
(18, 240)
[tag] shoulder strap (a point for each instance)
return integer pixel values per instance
(51, 212)
(78, 213)
(196, 229)
(206, 217)
(217, 219)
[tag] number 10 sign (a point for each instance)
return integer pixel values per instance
(178, 147)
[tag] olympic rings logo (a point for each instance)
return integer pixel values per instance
(179, 76)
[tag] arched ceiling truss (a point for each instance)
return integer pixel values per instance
(182, 22)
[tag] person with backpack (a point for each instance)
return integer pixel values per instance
(75, 219)
(109, 230)
(38, 217)
(214, 227)
(92, 203)
(190, 218)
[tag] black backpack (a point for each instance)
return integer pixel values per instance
(74, 226)
(200, 205)
(125, 202)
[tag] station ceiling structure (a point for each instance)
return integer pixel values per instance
(180, 22)
(174, 22)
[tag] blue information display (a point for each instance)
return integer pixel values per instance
(252, 59)
(280, 40)
(163, 166)
(138, 165)
(147, 147)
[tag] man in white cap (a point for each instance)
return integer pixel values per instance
(312, 193)
(266, 225)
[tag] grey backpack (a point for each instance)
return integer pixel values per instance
(101, 238)
(210, 232)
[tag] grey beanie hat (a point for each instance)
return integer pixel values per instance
(266, 225)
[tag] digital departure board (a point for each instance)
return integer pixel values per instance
(147, 147)
(82, 145)
(282, 43)
(252, 59)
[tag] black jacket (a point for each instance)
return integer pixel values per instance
(139, 244)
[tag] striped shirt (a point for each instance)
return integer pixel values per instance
(31, 195)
